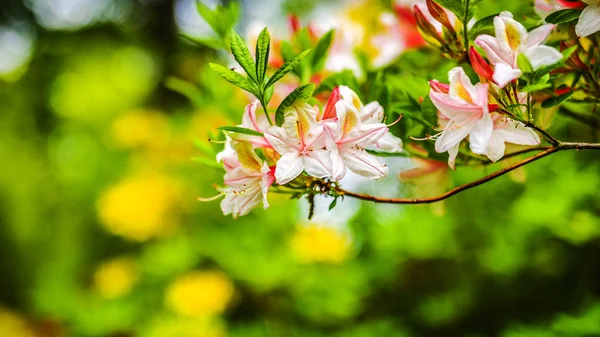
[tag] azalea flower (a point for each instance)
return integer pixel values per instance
(247, 180)
(300, 143)
(256, 122)
(507, 130)
(589, 21)
(511, 40)
(465, 106)
(347, 138)
(372, 113)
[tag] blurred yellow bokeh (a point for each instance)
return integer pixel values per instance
(116, 277)
(314, 243)
(140, 207)
(200, 293)
(13, 325)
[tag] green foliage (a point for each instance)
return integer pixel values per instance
(262, 54)
(563, 16)
(234, 78)
(240, 130)
(302, 93)
(287, 67)
(242, 56)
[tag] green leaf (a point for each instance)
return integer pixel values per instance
(470, 8)
(242, 56)
(241, 130)
(234, 78)
(318, 57)
(208, 15)
(269, 94)
(563, 16)
(287, 67)
(482, 25)
(303, 92)
(536, 87)
(556, 100)
(333, 203)
(455, 6)
(345, 77)
(387, 154)
(569, 51)
(262, 54)
(524, 63)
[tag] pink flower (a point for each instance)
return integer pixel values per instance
(300, 143)
(507, 130)
(256, 122)
(247, 180)
(511, 40)
(466, 107)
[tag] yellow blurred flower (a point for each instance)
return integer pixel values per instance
(187, 327)
(200, 293)
(315, 243)
(116, 277)
(14, 325)
(140, 128)
(140, 207)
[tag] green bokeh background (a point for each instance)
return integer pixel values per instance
(101, 107)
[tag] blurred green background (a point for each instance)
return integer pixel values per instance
(101, 105)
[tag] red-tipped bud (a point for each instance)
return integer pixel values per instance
(440, 15)
(294, 22)
(439, 87)
(426, 28)
(330, 111)
(493, 107)
(481, 67)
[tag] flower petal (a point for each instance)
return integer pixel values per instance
(492, 49)
(371, 113)
(364, 164)
(317, 163)
(540, 56)
(289, 166)
(496, 148)
(457, 111)
(517, 133)
(539, 35)
(481, 133)
(452, 136)
(589, 21)
(504, 74)
(389, 143)
(280, 141)
(461, 88)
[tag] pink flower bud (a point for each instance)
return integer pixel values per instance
(481, 67)
(330, 108)
(439, 87)
(426, 28)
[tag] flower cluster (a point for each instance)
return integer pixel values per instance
(310, 142)
(465, 109)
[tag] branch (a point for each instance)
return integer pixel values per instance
(456, 190)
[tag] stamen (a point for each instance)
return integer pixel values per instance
(396, 121)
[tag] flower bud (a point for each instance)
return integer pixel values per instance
(294, 22)
(439, 87)
(438, 13)
(481, 67)
(427, 29)
(330, 111)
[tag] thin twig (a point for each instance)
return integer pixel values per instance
(560, 147)
(549, 137)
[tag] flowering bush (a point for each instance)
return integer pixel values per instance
(307, 142)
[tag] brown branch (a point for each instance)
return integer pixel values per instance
(456, 190)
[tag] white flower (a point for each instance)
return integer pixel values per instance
(589, 21)
(247, 180)
(466, 107)
(511, 40)
(507, 130)
(346, 139)
(300, 143)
